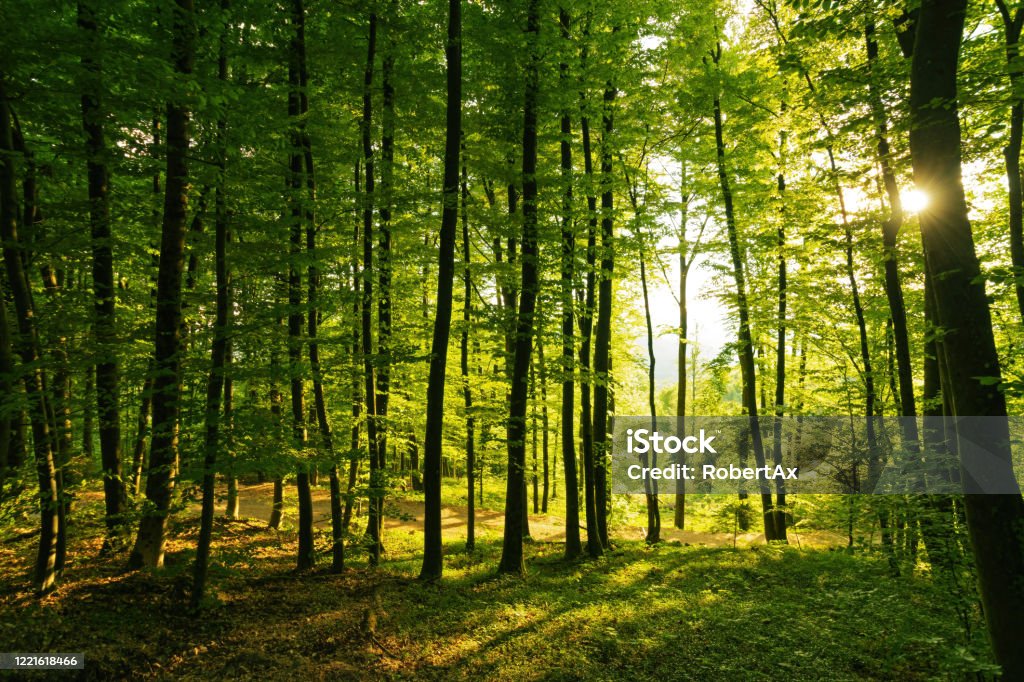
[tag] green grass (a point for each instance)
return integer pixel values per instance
(679, 613)
(640, 613)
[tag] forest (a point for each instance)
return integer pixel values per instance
(322, 320)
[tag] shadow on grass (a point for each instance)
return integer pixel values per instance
(657, 613)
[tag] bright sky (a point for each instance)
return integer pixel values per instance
(707, 320)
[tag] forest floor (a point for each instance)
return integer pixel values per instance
(670, 612)
(405, 515)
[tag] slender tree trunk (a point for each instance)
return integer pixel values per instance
(383, 265)
(219, 349)
(142, 429)
(88, 420)
(544, 423)
(653, 513)
(277, 504)
(594, 546)
(146, 395)
(779, 520)
(149, 542)
(467, 391)
(276, 400)
(534, 478)
(433, 563)
(58, 401)
(312, 322)
(745, 343)
(355, 396)
(890, 233)
(603, 334)
(874, 460)
(28, 348)
(679, 519)
(573, 546)
(515, 502)
(296, 110)
(319, 400)
(231, 510)
(995, 522)
(374, 525)
(107, 392)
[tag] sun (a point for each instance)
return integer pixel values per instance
(914, 200)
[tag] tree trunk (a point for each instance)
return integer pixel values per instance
(745, 343)
(383, 265)
(312, 323)
(433, 564)
(515, 502)
(277, 505)
(146, 395)
(374, 526)
(163, 455)
(779, 520)
(534, 479)
(297, 109)
(58, 401)
(88, 420)
(890, 232)
(603, 334)
(467, 391)
(142, 429)
(28, 348)
(356, 398)
(219, 349)
(107, 396)
(651, 486)
(995, 522)
(573, 546)
(544, 423)
(595, 548)
(679, 518)
(231, 510)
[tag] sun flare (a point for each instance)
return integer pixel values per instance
(914, 200)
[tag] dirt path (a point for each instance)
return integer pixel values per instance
(400, 515)
(407, 516)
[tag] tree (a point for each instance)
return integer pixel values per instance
(595, 547)
(104, 327)
(467, 390)
(28, 348)
(515, 490)
(163, 455)
(375, 525)
(971, 363)
(215, 391)
(745, 344)
(432, 558)
(603, 333)
(573, 546)
(298, 107)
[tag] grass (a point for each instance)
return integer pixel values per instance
(640, 613)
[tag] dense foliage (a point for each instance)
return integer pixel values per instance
(380, 247)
